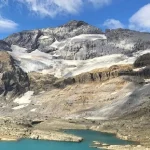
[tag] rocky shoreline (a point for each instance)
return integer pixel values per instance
(53, 130)
(118, 147)
(14, 132)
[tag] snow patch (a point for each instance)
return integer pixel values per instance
(44, 37)
(44, 63)
(113, 93)
(147, 81)
(17, 49)
(139, 69)
(25, 99)
(20, 107)
(33, 110)
(92, 37)
(128, 94)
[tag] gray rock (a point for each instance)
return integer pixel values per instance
(4, 46)
(142, 61)
(13, 81)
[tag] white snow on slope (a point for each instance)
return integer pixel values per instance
(25, 99)
(20, 107)
(33, 110)
(17, 49)
(89, 37)
(44, 63)
(58, 44)
(82, 37)
(43, 37)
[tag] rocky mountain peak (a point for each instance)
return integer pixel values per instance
(75, 24)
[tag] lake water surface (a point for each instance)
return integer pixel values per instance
(88, 136)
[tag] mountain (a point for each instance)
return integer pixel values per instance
(79, 40)
(53, 49)
(79, 75)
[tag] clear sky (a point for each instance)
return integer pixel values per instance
(18, 15)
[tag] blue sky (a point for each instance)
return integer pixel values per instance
(18, 15)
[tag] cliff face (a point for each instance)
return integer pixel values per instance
(4, 46)
(142, 61)
(40, 82)
(97, 75)
(13, 81)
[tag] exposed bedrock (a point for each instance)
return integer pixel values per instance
(4, 46)
(97, 75)
(142, 61)
(13, 81)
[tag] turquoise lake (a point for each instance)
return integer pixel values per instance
(88, 136)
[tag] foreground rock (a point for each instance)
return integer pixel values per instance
(13, 81)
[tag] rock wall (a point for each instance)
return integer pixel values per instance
(98, 75)
(13, 81)
(40, 82)
(4, 46)
(142, 61)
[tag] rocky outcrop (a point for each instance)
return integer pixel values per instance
(13, 81)
(40, 82)
(142, 61)
(98, 75)
(102, 74)
(4, 46)
(128, 39)
(143, 73)
(26, 39)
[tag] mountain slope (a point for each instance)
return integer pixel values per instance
(79, 40)
(78, 73)
(75, 47)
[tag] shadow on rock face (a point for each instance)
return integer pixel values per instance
(13, 80)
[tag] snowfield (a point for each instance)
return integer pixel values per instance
(46, 64)
(79, 38)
